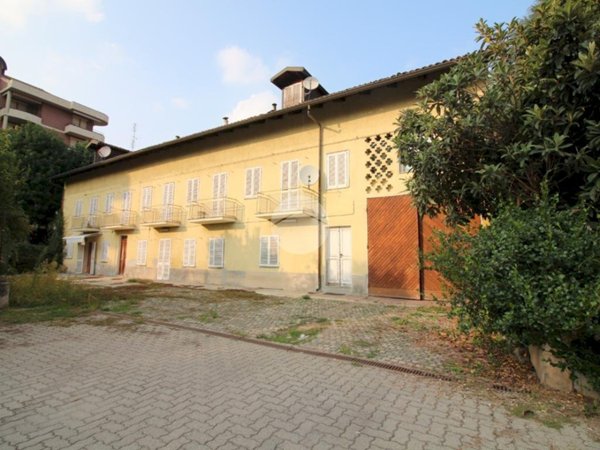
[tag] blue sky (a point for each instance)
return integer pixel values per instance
(177, 67)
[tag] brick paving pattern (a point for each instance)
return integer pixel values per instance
(369, 325)
(149, 386)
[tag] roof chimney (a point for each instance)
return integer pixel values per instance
(225, 120)
(289, 80)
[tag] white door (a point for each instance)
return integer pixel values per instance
(163, 267)
(80, 255)
(290, 199)
(339, 256)
(168, 200)
(126, 209)
(219, 193)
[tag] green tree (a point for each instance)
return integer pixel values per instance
(523, 109)
(14, 227)
(41, 155)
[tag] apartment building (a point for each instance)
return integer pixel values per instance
(310, 197)
(21, 102)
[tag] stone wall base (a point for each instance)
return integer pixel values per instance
(556, 378)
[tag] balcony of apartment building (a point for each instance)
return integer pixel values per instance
(18, 110)
(82, 128)
(124, 220)
(215, 211)
(287, 204)
(86, 224)
(166, 216)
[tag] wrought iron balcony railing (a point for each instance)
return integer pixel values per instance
(289, 203)
(88, 223)
(120, 221)
(166, 216)
(214, 211)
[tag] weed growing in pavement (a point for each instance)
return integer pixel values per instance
(297, 334)
(346, 350)
(209, 316)
(306, 297)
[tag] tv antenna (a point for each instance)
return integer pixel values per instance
(133, 136)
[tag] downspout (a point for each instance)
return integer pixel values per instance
(319, 202)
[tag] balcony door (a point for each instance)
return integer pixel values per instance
(168, 200)
(290, 198)
(339, 256)
(219, 193)
(163, 267)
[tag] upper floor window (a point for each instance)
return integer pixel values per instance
(192, 190)
(253, 176)
(337, 170)
(93, 206)
(147, 197)
(78, 207)
(82, 122)
(26, 106)
(108, 202)
(169, 194)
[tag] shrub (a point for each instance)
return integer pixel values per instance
(532, 275)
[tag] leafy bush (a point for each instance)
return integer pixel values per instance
(533, 275)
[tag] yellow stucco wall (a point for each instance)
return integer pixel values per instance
(346, 125)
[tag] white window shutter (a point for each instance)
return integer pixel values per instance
(78, 207)
(126, 201)
(223, 185)
(295, 167)
(93, 205)
(192, 190)
(342, 169)
(216, 252)
(108, 202)
(264, 250)
(249, 182)
(147, 197)
(274, 250)
(257, 180)
(142, 246)
(168, 194)
(331, 162)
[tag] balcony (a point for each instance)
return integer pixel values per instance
(120, 221)
(289, 204)
(86, 224)
(23, 116)
(215, 211)
(168, 216)
(74, 130)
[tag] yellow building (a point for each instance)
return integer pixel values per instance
(308, 197)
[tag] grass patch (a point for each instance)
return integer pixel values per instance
(209, 316)
(297, 334)
(346, 350)
(44, 296)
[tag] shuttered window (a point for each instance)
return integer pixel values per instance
(142, 247)
(93, 206)
(168, 194)
(189, 253)
(108, 202)
(78, 207)
(215, 252)
(126, 205)
(69, 249)
(253, 176)
(337, 170)
(269, 251)
(147, 197)
(104, 252)
(192, 190)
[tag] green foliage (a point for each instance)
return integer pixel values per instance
(523, 109)
(533, 275)
(13, 223)
(41, 155)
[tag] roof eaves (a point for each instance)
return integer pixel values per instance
(399, 77)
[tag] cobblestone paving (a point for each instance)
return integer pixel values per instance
(98, 387)
(361, 328)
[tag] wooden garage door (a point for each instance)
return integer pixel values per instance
(393, 234)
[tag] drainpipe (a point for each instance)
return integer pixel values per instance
(319, 201)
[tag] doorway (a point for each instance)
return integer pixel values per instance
(122, 255)
(339, 256)
(163, 267)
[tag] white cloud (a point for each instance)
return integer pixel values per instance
(240, 67)
(256, 104)
(180, 103)
(15, 14)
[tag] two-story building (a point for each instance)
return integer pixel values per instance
(308, 197)
(22, 102)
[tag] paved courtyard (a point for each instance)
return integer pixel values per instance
(149, 386)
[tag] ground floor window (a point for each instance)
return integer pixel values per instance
(269, 251)
(216, 253)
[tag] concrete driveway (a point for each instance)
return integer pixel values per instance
(122, 385)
